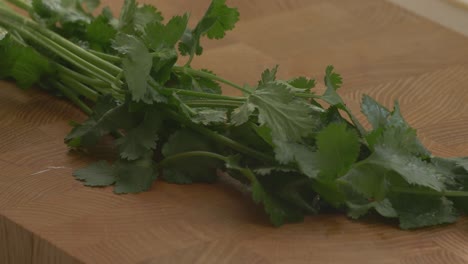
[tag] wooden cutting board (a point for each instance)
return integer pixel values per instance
(380, 49)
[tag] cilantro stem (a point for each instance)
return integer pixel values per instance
(210, 76)
(430, 192)
(105, 56)
(67, 55)
(21, 4)
(82, 78)
(7, 16)
(190, 154)
(213, 103)
(203, 94)
(67, 92)
(221, 139)
(306, 95)
(80, 88)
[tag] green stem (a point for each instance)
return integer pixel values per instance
(447, 193)
(21, 4)
(306, 95)
(222, 139)
(58, 40)
(80, 88)
(105, 56)
(82, 78)
(190, 154)
(213, 103)
(67, 55)
(210, 76)
(72, 97)
(202, 94)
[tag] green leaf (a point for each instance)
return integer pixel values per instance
(91, 5)
(420, 211)
(218, 19)
(146, 15)
(137, 65)
(107, 117)
(205, 84)
(377, 114)
(163, 62)
(22, 63)
(289, 120)
(159, 36)
(209, 116)
(63, 11)
(142, 138)
(338, 149)
(225, 19)
(332, 79)
(412, 169)
(242, 114)
(135, 176)
(278, 211)
(197, 169)
(385, 208)
(306, 158)
(134, 19)
(197, 83)
(127, 15)
(99, 33)
(368, 180)
(268, 76)
(302, 83)
(98, 174)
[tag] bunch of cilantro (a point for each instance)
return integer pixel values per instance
(171, 122)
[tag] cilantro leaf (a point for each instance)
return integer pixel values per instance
(196, 83)
(135, 176)
(160, 36)
(289, 120)
(22, 63)
(376, 113)
(194, 169)
(141, 139)
(218, 19)
(98, 174)
(304, 156)
(99, 33)
(107, 116)
(209, 116)
(145, 15)
(368, 180)
(134, 19)
(412, 169)
(268, 76)
(137, 66)
(279, 211)
(63, 11)
(242, 114)
(420, 211)
(91, 5)
(302, 83)
(333, 82)
(338, 149)
(226, 19)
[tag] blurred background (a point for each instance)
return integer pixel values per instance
(450, 13)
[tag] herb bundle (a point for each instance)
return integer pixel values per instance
(298, 152)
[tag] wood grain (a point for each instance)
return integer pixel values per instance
(380, 49)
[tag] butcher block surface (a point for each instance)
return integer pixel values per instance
(379, 48)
